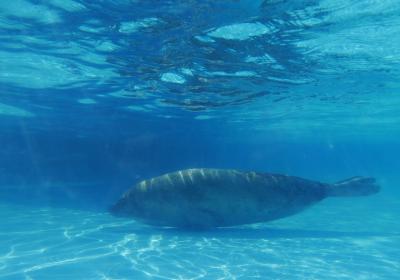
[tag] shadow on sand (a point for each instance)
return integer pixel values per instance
(257, 233)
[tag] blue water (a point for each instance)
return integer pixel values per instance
(98, 95)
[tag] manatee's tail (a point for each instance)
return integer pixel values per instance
(356, 186)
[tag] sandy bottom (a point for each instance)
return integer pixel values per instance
(337, 239)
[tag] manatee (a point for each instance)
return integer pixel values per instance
(205, 198)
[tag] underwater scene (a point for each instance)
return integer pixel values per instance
(199, 139)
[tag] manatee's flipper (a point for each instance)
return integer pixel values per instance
(355, 186)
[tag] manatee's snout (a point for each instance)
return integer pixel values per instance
(117, 209)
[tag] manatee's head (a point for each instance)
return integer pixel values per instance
(122, 207)
(116, 209)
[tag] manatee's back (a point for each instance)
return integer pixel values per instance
(217, 197)
(169, 199)
(186, 198)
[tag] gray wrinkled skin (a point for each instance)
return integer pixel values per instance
(204, 198)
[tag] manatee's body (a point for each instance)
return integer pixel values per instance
(204, 198)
